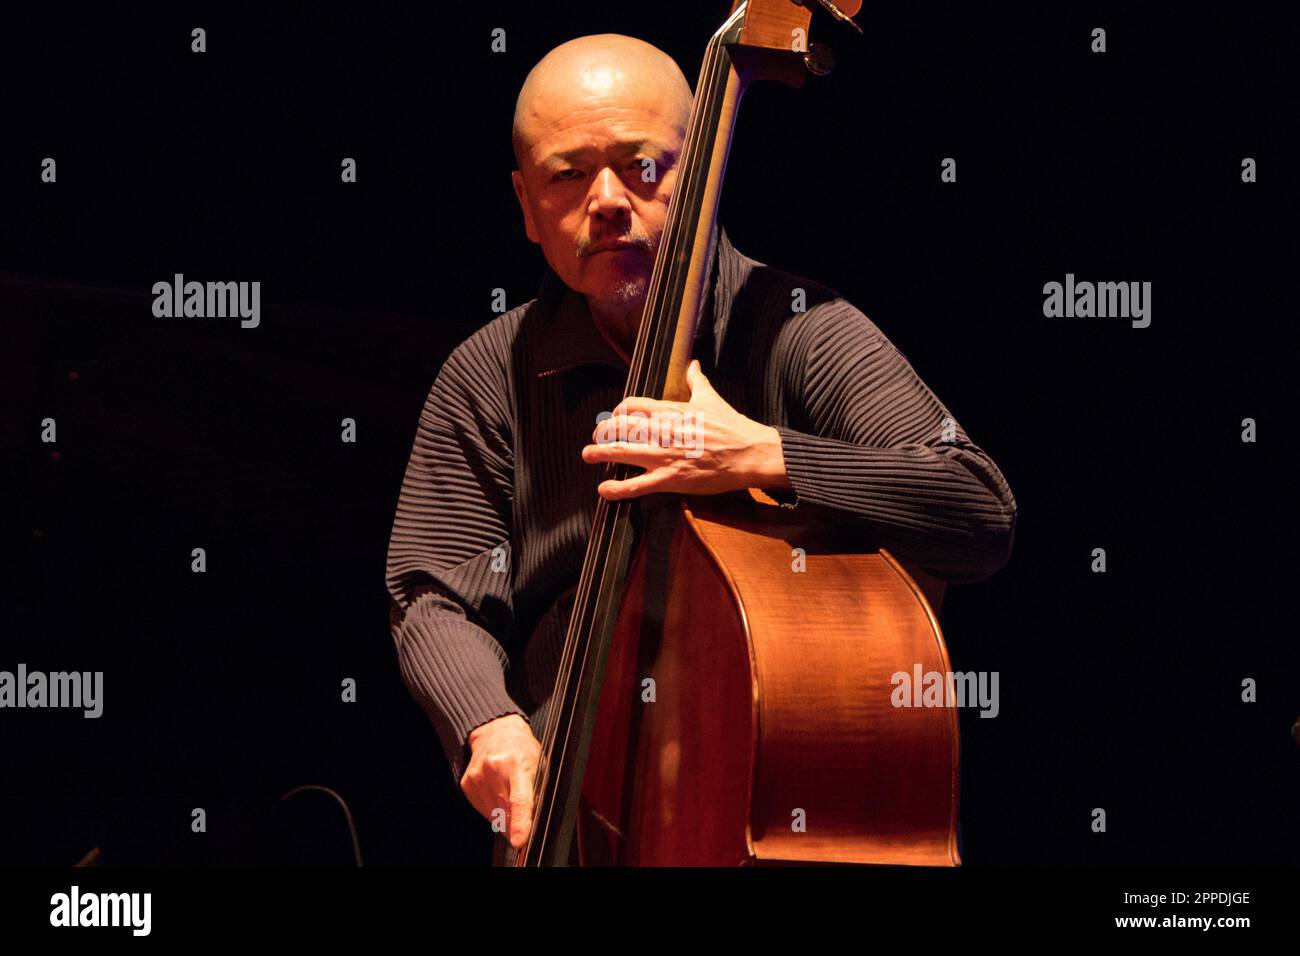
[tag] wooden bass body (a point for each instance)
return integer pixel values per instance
(747, 715)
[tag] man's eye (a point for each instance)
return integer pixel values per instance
(567, 174)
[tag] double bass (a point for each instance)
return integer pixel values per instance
(770, 735)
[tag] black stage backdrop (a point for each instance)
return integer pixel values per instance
(1119, 690)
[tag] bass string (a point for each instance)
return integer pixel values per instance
(642, 372)
(593, 557)
(655, 340)
(639, 374)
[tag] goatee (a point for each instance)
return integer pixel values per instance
(621, 297)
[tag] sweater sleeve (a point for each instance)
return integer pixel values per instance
(883, 448)
(449, 559)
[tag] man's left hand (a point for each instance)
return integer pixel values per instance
(699, 447)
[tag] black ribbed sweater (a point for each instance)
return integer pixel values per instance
(495, 507)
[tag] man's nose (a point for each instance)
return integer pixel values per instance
(609, 198)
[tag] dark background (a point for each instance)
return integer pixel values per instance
(1119, 691)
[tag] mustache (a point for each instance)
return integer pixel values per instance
(640, 240)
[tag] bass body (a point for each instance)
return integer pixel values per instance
(748, 714)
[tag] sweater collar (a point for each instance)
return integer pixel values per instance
(569, 338)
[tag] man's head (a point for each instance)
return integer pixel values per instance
(589, 115)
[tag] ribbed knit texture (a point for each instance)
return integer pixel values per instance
(496, 503)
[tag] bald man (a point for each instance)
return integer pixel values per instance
(816, 407)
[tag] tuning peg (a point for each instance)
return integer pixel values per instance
(839, 14)
(819, 59)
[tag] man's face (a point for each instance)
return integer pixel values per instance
(588, 194)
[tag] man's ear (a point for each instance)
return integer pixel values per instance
(529, 227)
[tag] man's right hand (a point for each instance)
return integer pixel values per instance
(503, 761)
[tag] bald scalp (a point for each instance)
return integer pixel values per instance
(582, 64)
